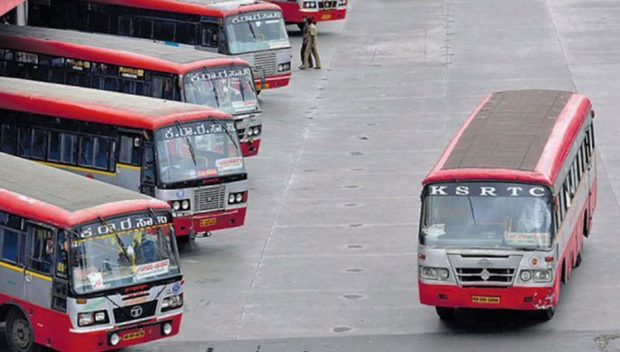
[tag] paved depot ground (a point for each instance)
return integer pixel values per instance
(326, 261)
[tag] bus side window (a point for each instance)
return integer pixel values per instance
(209, 34)
(163, 30)
(62, 255)
(144, 28)
(162, 88)
(132, 87)
(24, 141)
(130, 151)
(41, 251)
(124, 26)
(39, 143)
(98, 22)
(8, 139)
(11, 226)
(186, 33)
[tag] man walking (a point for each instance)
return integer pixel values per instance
(311, 47)
(305, 40)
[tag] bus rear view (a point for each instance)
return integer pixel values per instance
(505, 209)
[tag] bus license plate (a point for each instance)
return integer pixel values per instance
(485, 299)
(133, 335)
(326, 16)
(208, 222)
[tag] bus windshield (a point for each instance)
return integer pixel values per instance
(256, 31)
(109, 254)
(486, 215)
(197, 150)
(231, 89)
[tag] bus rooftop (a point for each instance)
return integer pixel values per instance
(96, 105)
(519, 135)
(61, 198)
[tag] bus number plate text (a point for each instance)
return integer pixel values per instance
(133, 335)
(485, 299)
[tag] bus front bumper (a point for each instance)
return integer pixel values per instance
(210, 221)
(519, 298)
(250, 147)
(128, 336)
(326, 15)
(275, 81)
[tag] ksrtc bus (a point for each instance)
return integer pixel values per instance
(295, 11)
(85, 266)
(135, 66)
(185, 154)
(505, 209)
(251, 29)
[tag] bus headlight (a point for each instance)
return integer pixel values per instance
(176, 205)
(236, 198)
(284, 67)
(166, 329)
(525, 275)
(432, 273)
(342, 2)
(172, 302)
(114, 339)
(255, 130)
(185, 204)
(92, 318)
(542, 275)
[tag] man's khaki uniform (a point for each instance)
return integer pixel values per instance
(311, 48)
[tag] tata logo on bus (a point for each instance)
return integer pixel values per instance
(509, 190)
(255, 17)
(222, 74)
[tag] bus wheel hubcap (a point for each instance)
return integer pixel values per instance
(21, 334)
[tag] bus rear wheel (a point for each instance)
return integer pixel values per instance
(445, 313)
(19, 334)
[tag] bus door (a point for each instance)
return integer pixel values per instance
(130, 156)
(39, 258)
(211, 36)
(147, 178)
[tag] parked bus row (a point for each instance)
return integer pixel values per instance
(90, 266)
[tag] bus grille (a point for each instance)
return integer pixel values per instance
(264, 63)
(145, 310)
(209, 198)
(328, 4)
(485, 276)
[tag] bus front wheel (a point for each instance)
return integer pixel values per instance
(445, 313)
(546, 314)
(19, 334)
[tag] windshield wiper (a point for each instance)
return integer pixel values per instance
(118, 239)
(189, 143)
(228, 134)
(217, 99)
(252, 30)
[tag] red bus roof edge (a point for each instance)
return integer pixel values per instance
(190, 8)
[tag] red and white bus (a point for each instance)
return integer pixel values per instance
(250, 29)
(319, 10)
(506, 207)
(85, 266)
(135, 66)
(187, 155)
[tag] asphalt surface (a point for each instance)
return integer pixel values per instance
(326, 260)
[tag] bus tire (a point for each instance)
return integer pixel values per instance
(546, 314)
(586, 231)
(445, 313)
(578, 260)
(19, 334)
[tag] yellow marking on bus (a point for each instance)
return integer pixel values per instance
(208, 222)
(127, 166)
(77, 168)
(29, 272)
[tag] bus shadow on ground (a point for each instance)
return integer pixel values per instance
(492, 320)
